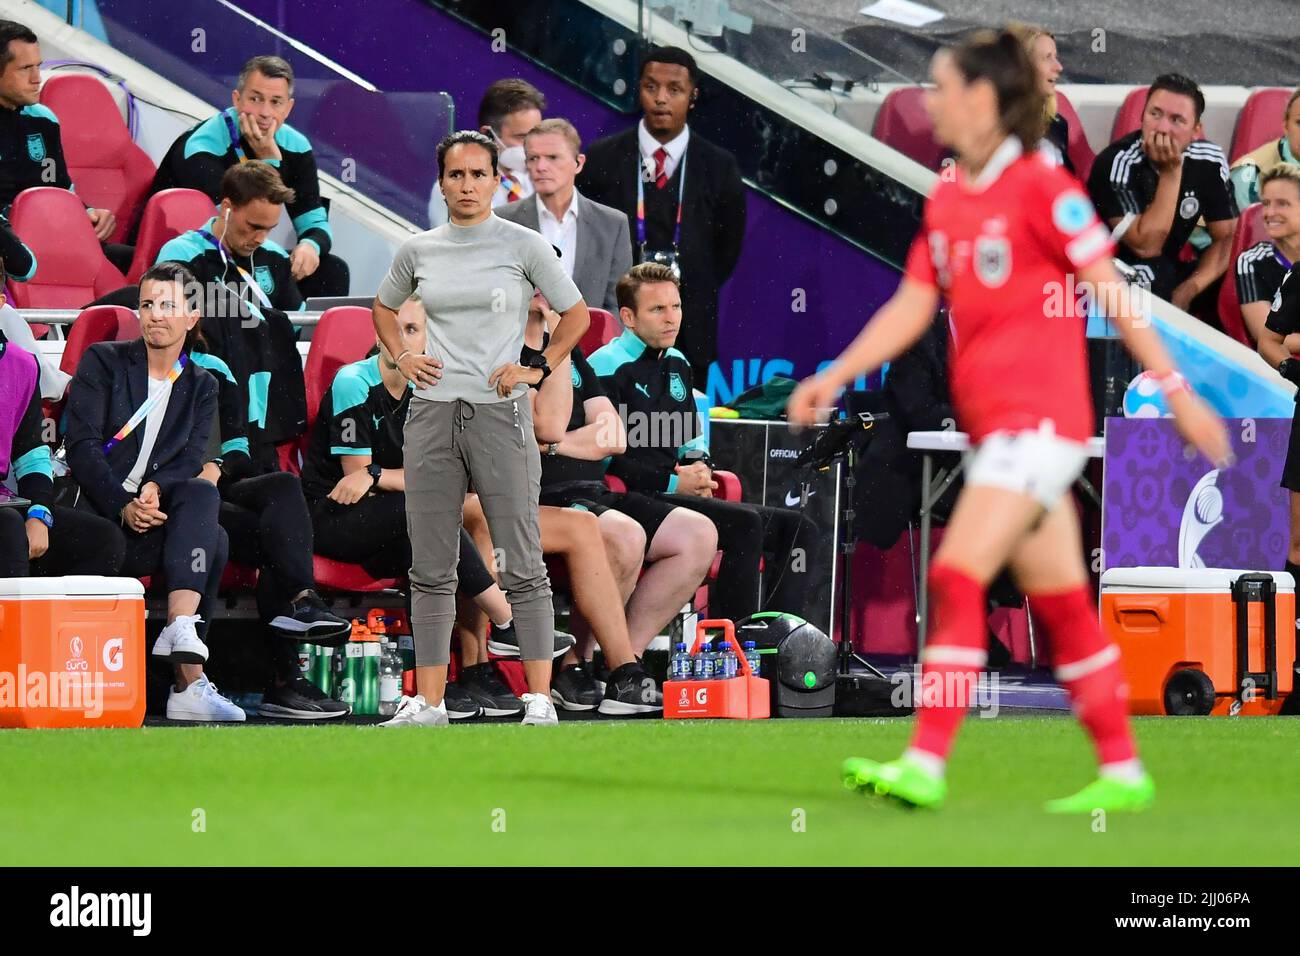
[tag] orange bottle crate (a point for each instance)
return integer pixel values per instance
(72, 652)
(746, 697)
(1183, 627)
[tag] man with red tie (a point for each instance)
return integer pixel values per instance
(508, 110)
(682, 195)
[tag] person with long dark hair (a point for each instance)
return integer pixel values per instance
(994, 243)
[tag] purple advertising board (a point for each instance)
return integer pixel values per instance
(1166, 506)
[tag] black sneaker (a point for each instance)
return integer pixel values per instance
(487, 690)
(504, 642)
(574, 689)
(630, 690)
(312, 622)
(300, 699)
(460, 705)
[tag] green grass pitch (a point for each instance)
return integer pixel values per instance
(631, 793)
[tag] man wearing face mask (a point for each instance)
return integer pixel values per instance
(508, 110)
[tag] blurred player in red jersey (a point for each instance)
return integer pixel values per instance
(996, 242)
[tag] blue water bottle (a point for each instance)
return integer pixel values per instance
(705, 662)
(681, 666)
(751, 655)
(728, 666)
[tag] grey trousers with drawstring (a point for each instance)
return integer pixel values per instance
(448, 444)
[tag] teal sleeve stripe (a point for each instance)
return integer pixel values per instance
(184, 248)
(272, 162)
(234, 445)
(44, 112)
(289, 138)
(313, 243)
(35, 462)
(313, 219)
(672, 483)
(695, 444)
(30, 272)
(344, 450)
(210, 136)
(214, 364)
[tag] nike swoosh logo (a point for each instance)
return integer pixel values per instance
(642, 389)
(792, 498)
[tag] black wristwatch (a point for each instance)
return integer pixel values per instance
(374, 471)
(538, 360)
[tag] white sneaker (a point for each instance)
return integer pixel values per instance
(180, 641)
(417, 712)
(200, 701)
(539, 712)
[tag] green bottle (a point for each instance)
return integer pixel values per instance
(368, 687)
(349, 685)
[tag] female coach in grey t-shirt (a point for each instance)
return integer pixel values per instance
(470, 418)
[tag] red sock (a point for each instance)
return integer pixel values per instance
(953, 657)
(1087, 663)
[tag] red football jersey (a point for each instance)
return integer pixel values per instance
(1002, 249)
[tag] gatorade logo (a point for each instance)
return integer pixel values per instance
(113, 654)
(701, 696)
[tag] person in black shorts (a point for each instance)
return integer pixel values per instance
(1283, 321)
(667, 458)
(678, 544)
(1259, 269)
(1163, 179)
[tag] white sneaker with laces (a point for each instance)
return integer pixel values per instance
(418, 712)
(200, 701)
(539, 711)
(180, 641)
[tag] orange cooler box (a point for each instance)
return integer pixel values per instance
(1202, 640)
(745, 697)
(72, 652)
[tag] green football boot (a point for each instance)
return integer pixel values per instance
(900, 779)
(1110, 794)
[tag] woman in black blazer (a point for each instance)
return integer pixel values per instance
(141, 470)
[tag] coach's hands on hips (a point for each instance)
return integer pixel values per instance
(1202, 427)
(508, 376)
(424, 371)
(812, 400)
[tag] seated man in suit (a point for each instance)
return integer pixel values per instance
(254, 128)
(682, 195)
(595, 249)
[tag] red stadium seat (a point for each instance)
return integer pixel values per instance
(71, 269)
(903, 123)
(341, 576)
(167, 214)
(1081, 154)
(109, 170)
(344, 334)
(605, 328)
(99, 324)
(1250, 230)
(1129, 115)
(1259, 121)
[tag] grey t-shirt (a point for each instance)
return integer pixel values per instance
(476, 283)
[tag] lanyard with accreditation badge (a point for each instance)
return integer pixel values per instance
(252, 283)
(640, 203)
(143, 411)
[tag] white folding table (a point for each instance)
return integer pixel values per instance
(933, 486)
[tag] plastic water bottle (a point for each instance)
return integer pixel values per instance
(390, 678)
(751, 655)
(706, 662)
(728, 666)
(681, 667)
